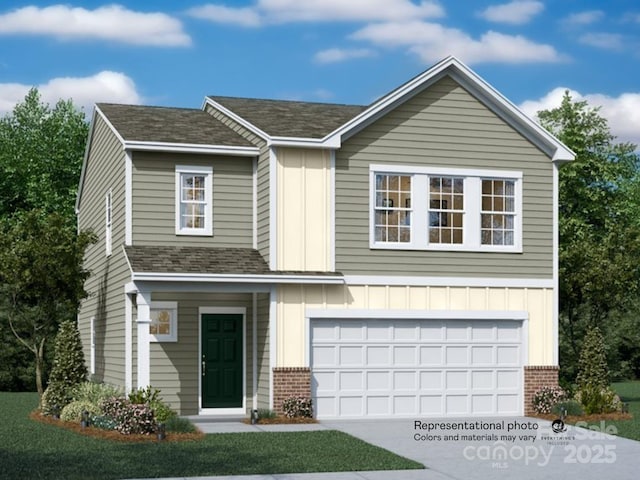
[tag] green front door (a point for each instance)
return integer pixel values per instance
(221, 361)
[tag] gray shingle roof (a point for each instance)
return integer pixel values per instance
(170, 125)
(203, 260)
(283, 118)
(160, 259)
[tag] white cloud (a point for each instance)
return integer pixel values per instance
(112, 22)
(515, 13)
(622, 112)
(607, 41)
(335, 55)
(244, 17)
(105, 86)
(432, 42)
(584, 18)
(284, 11)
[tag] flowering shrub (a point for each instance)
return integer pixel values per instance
(546, 397)
(129, 417)
(298, 407)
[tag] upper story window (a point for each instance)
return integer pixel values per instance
(194, 199)
(107, 223)
(423, 208)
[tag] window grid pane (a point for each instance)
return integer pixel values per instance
(193, 202)
(446, 210)
(393, 208)
(498, 212)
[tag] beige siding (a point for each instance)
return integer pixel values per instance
(444, 126)
(264, 367)
(174, 365)
(154, 201)
(293, 300)
(104, 170)
(303, 211)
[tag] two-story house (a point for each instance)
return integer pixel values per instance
(396, 259)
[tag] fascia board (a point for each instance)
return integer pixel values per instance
(190, 148)
(233, 278)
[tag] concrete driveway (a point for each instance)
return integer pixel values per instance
(523, 448)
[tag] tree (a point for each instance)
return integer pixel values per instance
(41, 278)
(599, 224)
(41, 151)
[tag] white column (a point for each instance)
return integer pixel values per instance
(143, 300)
(254, 350)
(128, 342)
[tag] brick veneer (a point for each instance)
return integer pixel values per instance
(534, 378)
(288, 381)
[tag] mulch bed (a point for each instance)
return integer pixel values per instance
(281, 420)
(594, 418)
(113, 435)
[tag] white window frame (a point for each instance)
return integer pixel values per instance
(172, 307)
(108, 221)
(207, 171)
(472, 207)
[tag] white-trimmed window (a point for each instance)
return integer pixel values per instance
(107, 223)
(194, 200)
(164, 322)
(430, 208)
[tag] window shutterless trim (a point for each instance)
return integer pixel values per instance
(207, 171)
(472, 208)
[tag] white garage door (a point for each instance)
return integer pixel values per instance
(393, 368)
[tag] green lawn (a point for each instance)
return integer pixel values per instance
(630, 393)
(29, 449)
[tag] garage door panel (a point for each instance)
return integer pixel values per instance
(387, 368)
(432, 331)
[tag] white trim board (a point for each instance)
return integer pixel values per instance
(418, 281)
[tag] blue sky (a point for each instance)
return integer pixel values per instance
(344, 51)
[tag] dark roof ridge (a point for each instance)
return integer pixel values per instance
(276, 100)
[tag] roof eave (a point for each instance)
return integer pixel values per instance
(138, 145)
(238, 278)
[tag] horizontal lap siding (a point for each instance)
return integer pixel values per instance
(262, 180)
(264, 366)
(104, 171)
(174, 365)
(154, 208)
(444, 126)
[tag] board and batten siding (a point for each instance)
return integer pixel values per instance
(294, 300)
(175, 365)
(154, 201)
(443, 126)
(303, 209)
(104, 171)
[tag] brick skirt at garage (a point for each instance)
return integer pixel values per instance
(536, 377)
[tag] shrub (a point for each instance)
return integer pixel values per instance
(298, 407)
(546, 397)
(72, 412)
(598, 400)
(162, 412)
(571, 407)
(266, 413)
(68, 368)
(145, 395)
(179, 425)
(129, 417)
(55, 397)
(103, 422)
(593, 371)
(95, 392)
